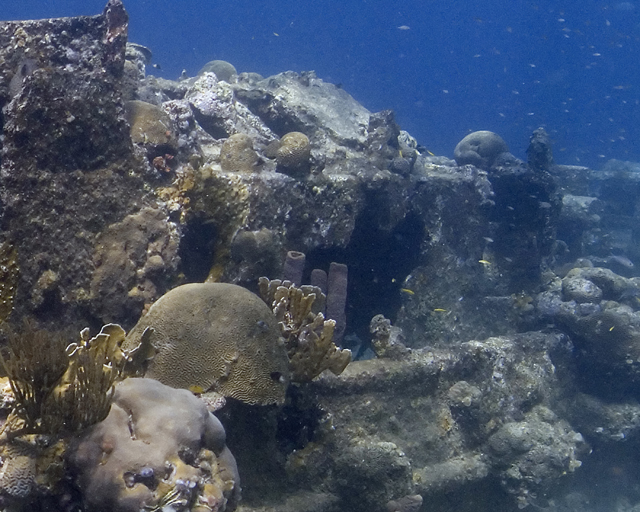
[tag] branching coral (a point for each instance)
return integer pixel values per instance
(308, 336)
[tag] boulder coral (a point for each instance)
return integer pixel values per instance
(158, 449)
(237, 154)
(151, 127)
(221, 68)
(216, 337)
(480, 148)
(293, 154)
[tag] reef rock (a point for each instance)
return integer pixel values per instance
(68, 167)
(600, 311)
(438, 424)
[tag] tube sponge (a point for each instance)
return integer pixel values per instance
(294, 267)
(337, 298)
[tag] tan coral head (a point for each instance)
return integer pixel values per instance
(216, 337)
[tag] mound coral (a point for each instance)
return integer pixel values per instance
(293, 154)
(221, 68)
(237, 154)
(480, 148)
(159, 449)
(215, 337)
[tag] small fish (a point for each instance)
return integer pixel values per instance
(404, 27)
(406, 290)
(440, 310)
(195, 389)
(611, 328)
(620, 260)
(430, 153)
(484, 262)
(276, 34)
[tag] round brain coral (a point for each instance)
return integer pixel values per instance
(216, 337)
(293, 154)
(480, 148)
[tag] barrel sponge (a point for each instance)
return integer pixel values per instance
(158, 447)
(293, 154)
(216, 337)
(480, 148)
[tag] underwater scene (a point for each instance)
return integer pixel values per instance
(406, 281)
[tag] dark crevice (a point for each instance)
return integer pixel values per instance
(197, 249)
(378, 263)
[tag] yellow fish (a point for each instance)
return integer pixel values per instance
(484, 262)
(440, 310)
(406, 290)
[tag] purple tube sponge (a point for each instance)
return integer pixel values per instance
(319, 279)
(337, 298)
(293, 267)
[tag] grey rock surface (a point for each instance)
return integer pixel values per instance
(440, 423)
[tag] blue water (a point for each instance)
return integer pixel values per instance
(508, 66)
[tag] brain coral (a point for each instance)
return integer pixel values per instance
(480, 148)
(18, 470)
(293, 154)
(216, 337)
(237, 154)
(223, 70)
(158, 449)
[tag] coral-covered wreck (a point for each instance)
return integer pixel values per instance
(490, 305)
